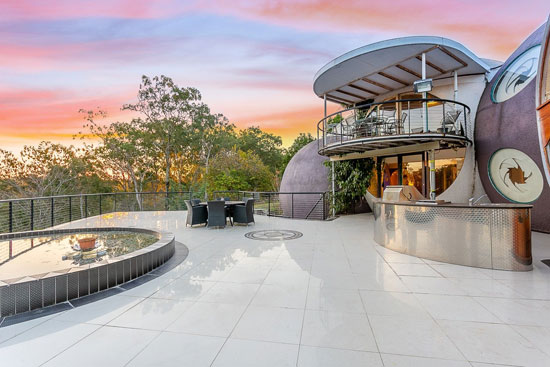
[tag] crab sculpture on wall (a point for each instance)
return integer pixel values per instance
(514, 174)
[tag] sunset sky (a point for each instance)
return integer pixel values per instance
(253, 61)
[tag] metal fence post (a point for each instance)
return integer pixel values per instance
(70, 208)
(10, 216)
(324, 214)
(114, 204)
(268, 204)
(32, 214)
(465, 123)
(443, 127)
(292, 204)
(85, 206)
(100, 204)
(52, 217)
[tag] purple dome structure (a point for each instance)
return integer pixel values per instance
(306, 172)
(510, 122)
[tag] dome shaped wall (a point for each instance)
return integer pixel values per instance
(512, 123)
(305, 172)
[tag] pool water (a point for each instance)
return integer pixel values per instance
(36, 255)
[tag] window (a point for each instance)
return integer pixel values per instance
(517, 75)
(545, 84)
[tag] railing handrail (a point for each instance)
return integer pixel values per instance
(94, 194)
(23, 214)
(274, 192)
(368, 105)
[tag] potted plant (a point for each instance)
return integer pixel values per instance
(87, 243)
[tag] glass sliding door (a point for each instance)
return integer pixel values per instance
(413, 172)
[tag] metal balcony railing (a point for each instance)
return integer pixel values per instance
(295, 205)
(395, 118)
(28, 214)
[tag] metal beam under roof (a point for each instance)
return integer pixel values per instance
(390, 65)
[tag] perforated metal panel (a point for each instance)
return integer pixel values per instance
(48, 291)
(127, 269)
(493, 238)
(45, 290)
(139, 265)
(103, 278)
(134, 270)
(111, 274)
(94, 280)
(22, 297)
(72, 285)
(7, 298)
(119, 272)
(61, 288)
(35, 293)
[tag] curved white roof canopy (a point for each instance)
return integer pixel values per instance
(385, 66)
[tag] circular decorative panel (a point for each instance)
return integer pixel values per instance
(515, 175)
(517, 75)
(274, 235)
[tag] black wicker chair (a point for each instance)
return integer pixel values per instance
(195, 214)
(217, 213)
(244, 213)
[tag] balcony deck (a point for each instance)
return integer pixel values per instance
(332, 297)
(394, 127)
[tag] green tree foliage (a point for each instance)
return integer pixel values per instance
(48, 169)
(352, 179)
(301, 141)
(124, 152)
(266, 145)
(175, 142)
(237, 170)
(166, 114)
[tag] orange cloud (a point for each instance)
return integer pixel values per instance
(288, 124)
(30, 111)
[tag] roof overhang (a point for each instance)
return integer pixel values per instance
(386, 66)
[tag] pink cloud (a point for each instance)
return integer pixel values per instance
(494, 28)
(62, 9)
(73, 56)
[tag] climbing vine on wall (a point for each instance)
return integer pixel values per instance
(352, 178)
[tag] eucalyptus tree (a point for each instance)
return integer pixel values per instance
(46, 169)
(123, 152)
(210, 134)
(233, 169)
(266, 145)
(165, 115)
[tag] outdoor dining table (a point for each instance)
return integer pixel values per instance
(227, 203)
(230, 204)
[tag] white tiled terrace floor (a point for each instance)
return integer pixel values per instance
(330, 298)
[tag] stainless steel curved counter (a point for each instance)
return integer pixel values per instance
(492, 236)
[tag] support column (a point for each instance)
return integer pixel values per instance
(325, 121)
(333, 191)
(424, 94)
(456, 85)
(332, 162)
(400, 170)
(432, 174)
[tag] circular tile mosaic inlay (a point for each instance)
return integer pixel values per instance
(274, 235)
